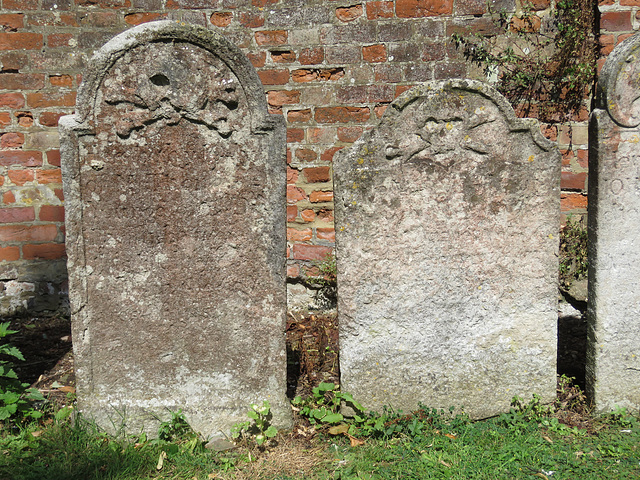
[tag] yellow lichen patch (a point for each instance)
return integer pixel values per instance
(531, 158)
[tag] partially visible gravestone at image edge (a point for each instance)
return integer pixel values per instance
(175, 196)
(613, 363)
(447, 219)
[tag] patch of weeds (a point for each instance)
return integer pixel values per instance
(259, 428)
(326, 280)
(545, 68)
(573, 252)
(16, 398)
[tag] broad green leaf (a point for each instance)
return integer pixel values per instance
(333, 418)
(271, 431)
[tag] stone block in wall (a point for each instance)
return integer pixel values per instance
(174, 179)
(447, 221)
(613, 363)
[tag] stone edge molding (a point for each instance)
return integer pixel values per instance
(81, 123)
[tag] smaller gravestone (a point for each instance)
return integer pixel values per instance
(613, 363)
(447, 235)
(174, 180)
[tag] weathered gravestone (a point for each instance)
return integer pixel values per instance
(447, 232)
(174, 180)
(613, 366)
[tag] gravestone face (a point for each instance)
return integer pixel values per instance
(613, 366)
(447, 232)
(174, 183)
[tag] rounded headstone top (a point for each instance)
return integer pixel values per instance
(164, 31)
(619, 83)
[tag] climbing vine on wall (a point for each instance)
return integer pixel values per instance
(545, 66)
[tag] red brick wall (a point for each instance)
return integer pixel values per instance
(329, 67)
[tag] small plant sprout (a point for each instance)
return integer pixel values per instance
(261, 429)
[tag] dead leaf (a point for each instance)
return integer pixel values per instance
(355, 442)
(547, 439)
(339, 429)
(67, 389)
(444, 463)
(450, 435)
(37, 433)
(163, 455)
(578, 454)
(541, 475)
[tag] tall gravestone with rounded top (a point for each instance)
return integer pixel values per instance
(447, 235)
(613, 352)
(174, 182)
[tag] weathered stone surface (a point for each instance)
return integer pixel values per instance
(613, 366)
(174, 180)
(447, 234)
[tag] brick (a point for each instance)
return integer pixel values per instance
(20, 4)
(25, 119)
(450, 70)
(304, 75)
(325, 215)
(52, 175)
(294, 116)
(295, 194)
(51, 213)
(630, 3)
(257, 59)
(376, 10)
(5, 119)
(529, 24)
(615, 21)
(433, 52)
(21, 81)
(188, 4)
(295, 235)
(143, 17)
(53, 99)
(583, 158)
(221, 19)
(423, 8)
(353, 33)
(56, 40)
(320, 196)
(292, 213)
(322, 135)
(379, 110)
(480, 26)
(20, 157)
(8, 198)
(98, 19)
(20, 177)
(538, 5)
(17, 215)
(283, 97)
(311, 56)
(573, 181)
(292, 175)
(308, 215)
(10, 22)
(20, 41)
(9, 254)
(295, 135)
(43, 19)
(53, 158)
(251, 20)
(317, 174)
(11, 140)
(326, 234)
(366, 94)
(342, 114)
(388, 73)
(306, 154)
(271, 37)
(274, 77)
(549, 131)
(59, 193)
(350, 13)
(572, 201)
(374, 53)
(28, 233)
(263, 3)
(471, 7)
(50, 119)
(310, 252)
(293, 271)
(349, 134)
(283, 56)
(11, 100)
(49, 251)
(327, 155)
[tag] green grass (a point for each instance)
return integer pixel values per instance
(527, 443)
